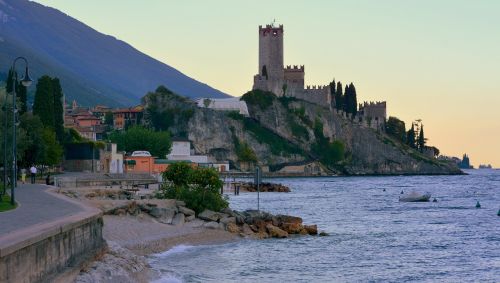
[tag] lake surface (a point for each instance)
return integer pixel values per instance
(373, 236)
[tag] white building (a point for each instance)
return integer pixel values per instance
(181, 151)
(224, 104)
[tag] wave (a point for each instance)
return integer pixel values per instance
(175, 250)
(167, 279)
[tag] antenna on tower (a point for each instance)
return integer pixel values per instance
(273, 22)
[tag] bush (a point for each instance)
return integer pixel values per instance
(263, 99)
(198, 187)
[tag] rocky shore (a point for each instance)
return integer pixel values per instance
(137, 225)
(265, 187)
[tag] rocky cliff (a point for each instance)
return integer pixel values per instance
(289, 131)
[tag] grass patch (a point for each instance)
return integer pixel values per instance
(256, 97)
(5, 203)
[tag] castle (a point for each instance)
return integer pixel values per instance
(284, 81)
(288, 81)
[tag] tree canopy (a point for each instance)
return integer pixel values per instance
(139, 138)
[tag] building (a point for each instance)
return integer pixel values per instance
(84, 157)
(85, 123)
(287, 81)
(224, 104)
(374, 114)
(181, 151)
(127, 116)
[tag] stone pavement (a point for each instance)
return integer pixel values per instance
(35, 206)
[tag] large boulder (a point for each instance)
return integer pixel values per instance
(186, 211)
(288, 219)
(180, 203)
(179, 219)
(311, 229)
(276, 232)
(190, 218)
(292, 228)
(209, 215)
(227, 220)
(213, 225)
(232, 228)
(163, 215)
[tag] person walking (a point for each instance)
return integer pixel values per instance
(33, 173)
(23, 176)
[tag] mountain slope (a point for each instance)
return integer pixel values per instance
(93, 67)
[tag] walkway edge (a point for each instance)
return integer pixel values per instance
(22, 238)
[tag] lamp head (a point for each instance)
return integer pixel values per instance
(26, 80)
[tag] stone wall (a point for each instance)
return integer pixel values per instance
(48, 252)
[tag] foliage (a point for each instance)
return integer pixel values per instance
(297, 129)
(206, 102)
(48, 104)
(235, 115)
(108, 118)
(52, 151)
(396, 129)
(339, 97)
(199, 188)
(421, 139)
(243, 151)
(410, 137)
(5, 202)
(140, 138)
(166, 110)
(329, 153)
(260, 98)
(277, 144)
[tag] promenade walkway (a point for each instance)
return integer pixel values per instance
(35, 206)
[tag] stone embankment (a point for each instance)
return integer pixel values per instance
(265, 187)
(250, 223)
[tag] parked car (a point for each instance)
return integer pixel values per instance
(141, 153)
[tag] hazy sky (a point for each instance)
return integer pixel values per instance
(438, 61)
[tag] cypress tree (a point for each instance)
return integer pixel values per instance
(58, 109)
(10, 83)
(421, 139)
(43, 106)
(347, 99)
(339, 96)
(354, 100)
(410, 136)
(332, 93)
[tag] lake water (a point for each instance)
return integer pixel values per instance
(373, 236)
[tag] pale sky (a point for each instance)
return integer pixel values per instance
(438, 61)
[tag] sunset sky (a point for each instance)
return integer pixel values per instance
(438, 61)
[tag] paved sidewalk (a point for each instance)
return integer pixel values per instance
(35, 206)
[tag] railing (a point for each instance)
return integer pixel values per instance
(121, 183)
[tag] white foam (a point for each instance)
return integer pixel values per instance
(168, 279)
(175, 250)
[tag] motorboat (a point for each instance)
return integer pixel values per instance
(415, 197)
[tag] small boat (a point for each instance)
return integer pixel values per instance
(415, 197)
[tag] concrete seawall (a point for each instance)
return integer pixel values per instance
(40, 252)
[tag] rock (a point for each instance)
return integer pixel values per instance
(322, 234)
(209, 215)
(186, 211)
(254, 228)
(240, 220)
(276, 232)
(164, 215)
(292, 228)
(120, 211)
(232, 228)
(229, 212)
(288, 219)
(190, 218)
(303, 232)
(311, 229)
(178, 219)
(213, 225)
(180, 203)
(227, 220)
(246, 230)
(262, 235)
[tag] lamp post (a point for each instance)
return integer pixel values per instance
(26, 81)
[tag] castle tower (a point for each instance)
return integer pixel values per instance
(271, 51)
(271, 74)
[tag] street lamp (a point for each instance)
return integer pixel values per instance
(26, 81)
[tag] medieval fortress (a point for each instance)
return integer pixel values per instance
(288, 81)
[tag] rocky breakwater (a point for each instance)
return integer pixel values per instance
(256, 224)
(172, 212)
(265, 187)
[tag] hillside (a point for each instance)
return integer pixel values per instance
(94, 68)
(285, 131)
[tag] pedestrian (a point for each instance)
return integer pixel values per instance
(33, 173)
(23, 176)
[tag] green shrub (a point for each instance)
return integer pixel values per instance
(329, 153)
(198, 187)
(262, 99)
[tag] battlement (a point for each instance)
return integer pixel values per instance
(270, 28)
(294, 68)
(317, 87)
(372, 104)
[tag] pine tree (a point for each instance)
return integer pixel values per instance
(58, 109)
(43, 106)
(421, 139)
(410, 137)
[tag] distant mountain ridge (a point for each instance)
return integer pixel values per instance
(94, 68)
